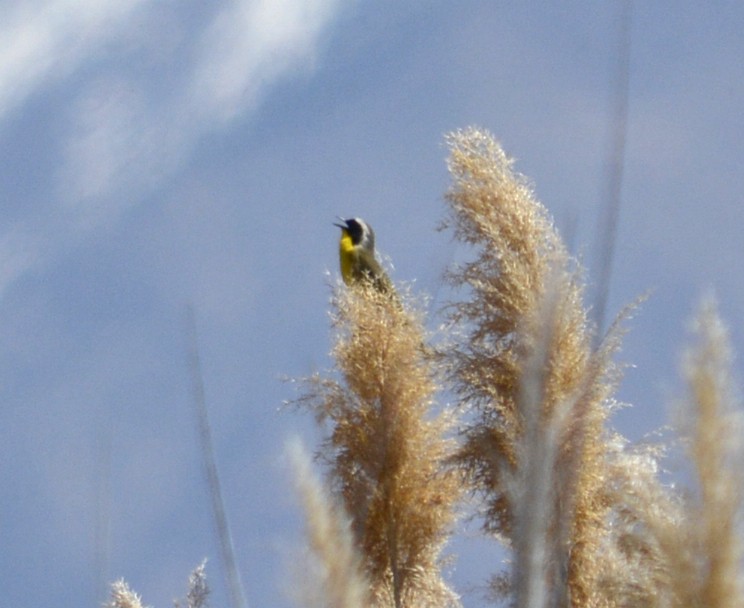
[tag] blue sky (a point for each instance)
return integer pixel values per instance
(159, 154)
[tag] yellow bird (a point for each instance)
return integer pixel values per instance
(357, 256)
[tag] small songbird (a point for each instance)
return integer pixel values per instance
(357, 255)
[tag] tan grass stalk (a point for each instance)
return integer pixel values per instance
(644, 530)
(530, 487)
(386, 450)
(673, 550)
(123, 597)
(198, 593)
(518, 254)
(211, 472)
(711, 574)
(336, 570)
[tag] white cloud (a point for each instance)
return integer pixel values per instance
(249, 45)
(118, 147)
(125, 131)
(126, 136)
(41, 42)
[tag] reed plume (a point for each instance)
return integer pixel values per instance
(332, 569)
(703, 547)
(123, 597)
(386, 449)
(713, 423)
(524, 367)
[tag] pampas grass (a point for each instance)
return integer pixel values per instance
(704, 549)
(587, 516)
(123, 597)
(335, 578)
(713, 421)
(198, 592)
(387, 451)
(525, 367)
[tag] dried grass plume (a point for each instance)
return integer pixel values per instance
(386, 449)
(709, 567)
(333, 569)
(524, 366)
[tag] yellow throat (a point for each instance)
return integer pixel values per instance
(346, 255)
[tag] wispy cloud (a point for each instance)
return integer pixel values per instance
(116, 148)
(248, 46)
(124, 133)
(43, 42)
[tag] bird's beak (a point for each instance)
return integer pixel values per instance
(343, 226)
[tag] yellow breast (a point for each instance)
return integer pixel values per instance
(347, 255)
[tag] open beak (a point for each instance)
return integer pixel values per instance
(343, 226)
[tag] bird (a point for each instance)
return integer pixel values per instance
(357, 256)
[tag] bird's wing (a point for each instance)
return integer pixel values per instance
(371, 270)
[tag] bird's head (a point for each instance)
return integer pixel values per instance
(360, 233)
